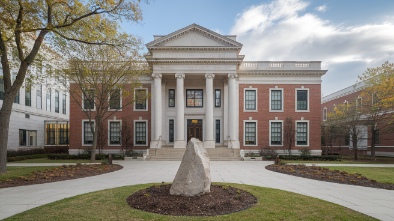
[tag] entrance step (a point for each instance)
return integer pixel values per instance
(176, 154)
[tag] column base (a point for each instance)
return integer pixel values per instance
(180, 144)
(233, 144)
(155, 144)
(209, 144)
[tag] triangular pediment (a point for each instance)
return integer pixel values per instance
(194, 36)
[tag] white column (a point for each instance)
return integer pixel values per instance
(158, 113)
(232, 112)
(180, 112)
(209, 142)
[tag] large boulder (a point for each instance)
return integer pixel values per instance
(194, 176)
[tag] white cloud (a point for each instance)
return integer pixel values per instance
(281, 30)
(321, 8)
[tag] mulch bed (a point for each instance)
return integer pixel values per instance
(325, 174)
(221, 200)
(60, 173)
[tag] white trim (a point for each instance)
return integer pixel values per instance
(282, 99)
(146, 133)
(256, 99)
(308, 101)
(120, 101)
(275, 121)
(257, 133)
(109, 133)
(307, 133)
(83, 132)
(146, 101)
(325, 114)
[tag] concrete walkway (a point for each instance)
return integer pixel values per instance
(377, 203)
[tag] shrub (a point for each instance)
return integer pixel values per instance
(305, 153)
(26, 157)
(268, 152)
(56, 149)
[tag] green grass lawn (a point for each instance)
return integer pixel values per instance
(15, 172)
(111, 205)
(380, 174)
(46, 160)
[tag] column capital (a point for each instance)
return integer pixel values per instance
(233, 76)
(209, 76)
(157, 75)
(178, 76)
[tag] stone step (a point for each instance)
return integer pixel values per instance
(176, 154)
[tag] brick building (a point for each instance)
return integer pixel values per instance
(384, 139)
(201, 87)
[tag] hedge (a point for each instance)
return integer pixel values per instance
(83, 157)
(26, 157)
(35, 151)
(311, 158)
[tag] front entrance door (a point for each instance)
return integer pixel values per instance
(194, 129)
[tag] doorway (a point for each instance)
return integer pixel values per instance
(194, 129)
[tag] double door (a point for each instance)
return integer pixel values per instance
(194, 129)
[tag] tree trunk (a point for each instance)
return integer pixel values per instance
(373, 142)
(354, 138)
(93, 154)
(5, 114)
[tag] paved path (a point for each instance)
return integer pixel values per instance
(378, 203)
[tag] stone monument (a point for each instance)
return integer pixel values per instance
(193, 177)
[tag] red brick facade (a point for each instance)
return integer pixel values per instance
(263, 114)
(127, 116)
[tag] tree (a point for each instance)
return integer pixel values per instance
(102, 81)
(25, 24)
(288, 134)
(332, 131)
(348, 116)
(378, 99)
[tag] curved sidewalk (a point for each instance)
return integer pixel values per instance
(377, 203)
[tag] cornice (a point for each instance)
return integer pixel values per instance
(200, 61)
(283, 73)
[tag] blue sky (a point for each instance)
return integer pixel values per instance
(348, 36)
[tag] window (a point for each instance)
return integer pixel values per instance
(1, 88)
(302, 100)
(217, 131)
(377, 137)
(28, 96)
(114, 100)
(250, 100)
(359, 103)
(250, 133)
(48, 107)
(87, 132)
(325, 114)
(218, 96)
(140, 133)
(39, 97)
(27, 137)
(140, 99)
(88, 100)
(114, 132)
(16, 99)
(171, 131)
(57, 101)
(50, 134)
(64, 104)
(171, 97)
(276, 133)
(302, 133)
(276, 100)
(194, 98)
(63, 132)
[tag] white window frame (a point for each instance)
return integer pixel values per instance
(120, 101)
(325, 114)
(307, 132)
(257, 133)
(83, 102)
(109, 133)
(276, 89)
(146, 133)
(308, 101)
(146, 100)
(244, 106)
(275, 121)
(83, 132)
